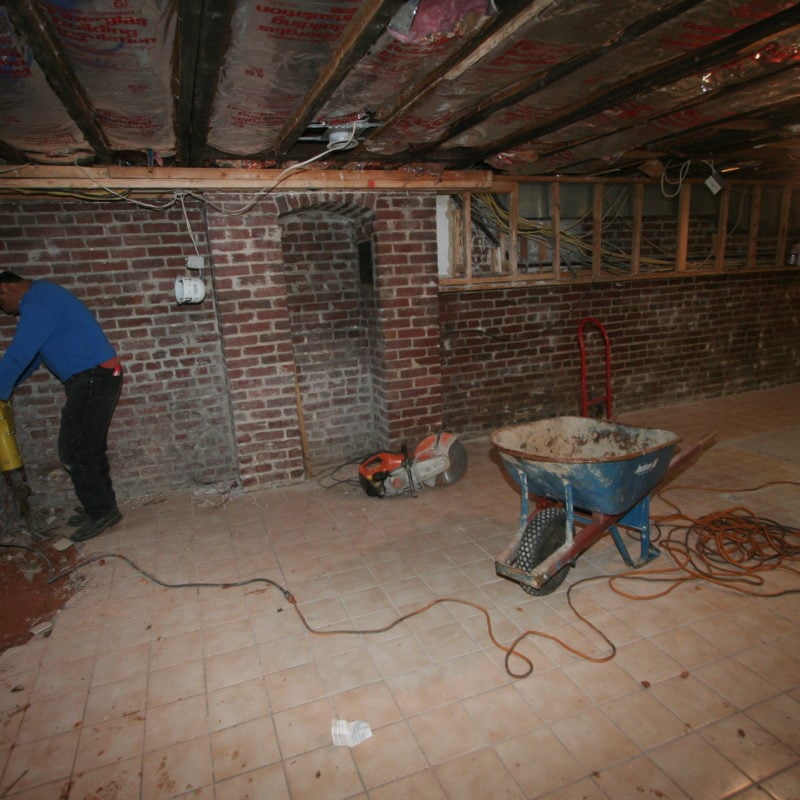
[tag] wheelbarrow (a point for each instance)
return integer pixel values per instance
(590, 477)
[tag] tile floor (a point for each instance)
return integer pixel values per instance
(150, 692)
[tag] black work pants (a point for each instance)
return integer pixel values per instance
(82, 440)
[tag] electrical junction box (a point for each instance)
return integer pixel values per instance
(195, 262)
(714, 182)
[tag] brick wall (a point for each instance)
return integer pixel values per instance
(512, 355)
(210, 388)
(172, 426)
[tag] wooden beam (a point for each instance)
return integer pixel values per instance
(783, 226)
(555, 222)
(597, 229)
(752, 232)
(168, 179)
(682, 234)
(722, 230)
(636, 231)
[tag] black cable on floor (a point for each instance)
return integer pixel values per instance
(191, 585)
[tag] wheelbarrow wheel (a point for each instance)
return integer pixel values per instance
(543, 535)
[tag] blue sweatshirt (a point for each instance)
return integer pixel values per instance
(56, 329)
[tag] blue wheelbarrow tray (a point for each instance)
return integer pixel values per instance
(602, 472)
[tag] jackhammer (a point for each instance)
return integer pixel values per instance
(11, 462)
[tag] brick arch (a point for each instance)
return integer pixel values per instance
(355, 206)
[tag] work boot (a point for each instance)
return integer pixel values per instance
(78, 518)
(97, 525)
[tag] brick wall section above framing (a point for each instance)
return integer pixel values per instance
(512, 355)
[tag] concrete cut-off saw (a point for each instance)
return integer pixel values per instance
(438, 460)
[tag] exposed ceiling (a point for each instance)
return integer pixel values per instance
(543, 87)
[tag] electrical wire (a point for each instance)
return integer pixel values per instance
(730, 548)
(509, 651)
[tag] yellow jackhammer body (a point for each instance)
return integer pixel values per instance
(11, 461)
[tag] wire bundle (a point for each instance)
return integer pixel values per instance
(734, 548)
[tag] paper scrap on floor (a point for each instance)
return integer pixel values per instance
(349, 733)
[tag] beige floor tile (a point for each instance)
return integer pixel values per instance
(120, 698)
(233, 635)
(692, 700)
(235, 704)
(398, 655)
(637, 778)
(783, 786)
(445, 642)
(752, 749)
(420, 690)
(646, 662)
(594, 740)
(170, 651)
(328, 772)
(390, 753)
(235, 666)
(66, 677)
(244, 747)
(280, 654)
(736, 682)
(687, 646)
(372, 703)
(348, 670)
(646, 720)
(110, 741)
(601, 682)
(501, 713)
(480, 774)
(586, 789)
(120, 781)
(472, 673)
(51, 717)
(772, 664)
(294, 686)
(118, 664)
(699, 769)
(258, 784)
(175, 683)
(553, 695)
(423, 784)
(177, 769)
(175, 722)
(305, 727)
(40, 762)
(781, 717)
(434, 731)
(539, 762)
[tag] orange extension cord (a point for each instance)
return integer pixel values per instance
(730, 548)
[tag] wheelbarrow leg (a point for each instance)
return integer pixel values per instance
(637, 518)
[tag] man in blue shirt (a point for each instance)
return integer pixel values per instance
(56, 329)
